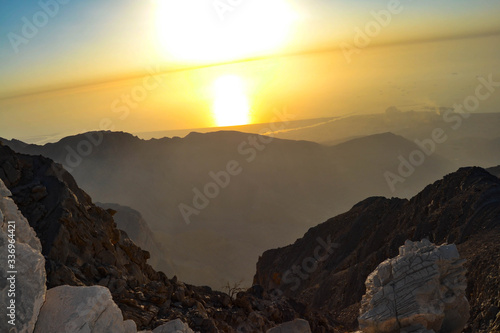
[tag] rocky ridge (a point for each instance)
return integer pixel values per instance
(462, 208)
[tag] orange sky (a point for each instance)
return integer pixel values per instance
(106, 42)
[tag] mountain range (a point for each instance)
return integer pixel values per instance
(320, 277)
(214, 224)
(471, 139)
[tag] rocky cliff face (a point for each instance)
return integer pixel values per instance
(83, 247)
(132, 222)
(328, 266)
(80, 241)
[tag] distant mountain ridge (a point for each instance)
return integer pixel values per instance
(470, 141)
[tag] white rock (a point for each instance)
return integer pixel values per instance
(130, 326)
(174, 326)
(29, 286)
(81, 310)
(295, 326)
(420, 290)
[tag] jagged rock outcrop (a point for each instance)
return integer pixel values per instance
(80, 241)
(132, 222)
(83, 247)
(423, 287)
(22, 285)
(462, 208)
(81, 310)
(295, 326)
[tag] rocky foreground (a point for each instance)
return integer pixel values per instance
(98, 280)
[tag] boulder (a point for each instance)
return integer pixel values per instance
(294, 326)
(23, 291)
(174, 326)
(81, 309)
(420, 290)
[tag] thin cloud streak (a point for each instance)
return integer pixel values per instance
(132, 76)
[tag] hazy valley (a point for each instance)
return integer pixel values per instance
(283, 188)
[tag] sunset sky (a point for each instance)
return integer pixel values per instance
(72, 71)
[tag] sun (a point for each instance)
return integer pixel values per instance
(230, 105)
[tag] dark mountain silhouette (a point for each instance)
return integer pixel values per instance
(283, 188)
(365, 159)
(83, 247)
(462, 208)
